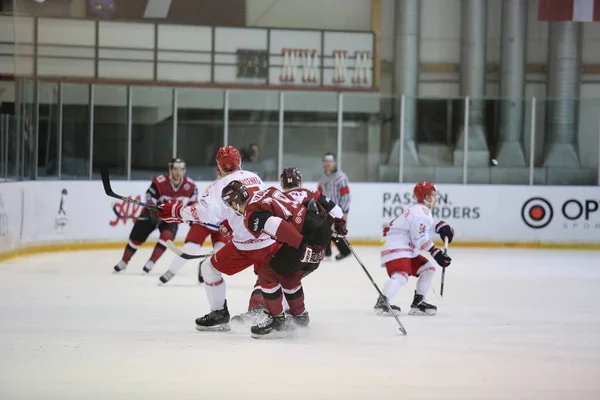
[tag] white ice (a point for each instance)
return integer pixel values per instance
(515, 324)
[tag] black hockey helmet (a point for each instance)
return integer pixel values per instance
(235, 191)
(291, 178)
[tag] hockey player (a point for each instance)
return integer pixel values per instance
(170, 188)
(302, 232)
(193, 243)
(242, 251)
(405, 237)
(291, 183)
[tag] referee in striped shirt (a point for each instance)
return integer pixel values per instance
(334, 184)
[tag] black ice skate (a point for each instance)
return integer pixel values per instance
(120, 266)
(166, 277)
(271, 327)
(420, 307)
(382, 310)
(250, 317)
(148, 267)
(300, 320)
(215, 320)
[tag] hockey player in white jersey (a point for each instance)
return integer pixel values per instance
(244, 250)
(405, 237)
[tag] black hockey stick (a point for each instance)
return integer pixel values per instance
(109, 192)
(171, 246)
(444, 268)
(128, 216)
(387, 303)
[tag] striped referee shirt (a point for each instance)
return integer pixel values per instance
(336, 187)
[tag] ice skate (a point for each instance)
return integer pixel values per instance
(250, 317)
(382, 310)
(300, 320)
(217, 320)
(166, 277)
(271, 327)
(120, 266)
(148, 267)
(420, 307)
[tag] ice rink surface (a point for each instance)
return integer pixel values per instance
(514, 324)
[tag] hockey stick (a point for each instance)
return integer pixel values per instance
(444, 268)
(128, 216)
(387, 303)
(171, 246)
(109, 192)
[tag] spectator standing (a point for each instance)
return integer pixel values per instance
(334, 185)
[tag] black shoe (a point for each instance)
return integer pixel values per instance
(270, 327)
(420, 307)
(380, 308)
(250, 317)
(217, 320)
(340, 256)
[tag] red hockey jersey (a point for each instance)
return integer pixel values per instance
(161, 190)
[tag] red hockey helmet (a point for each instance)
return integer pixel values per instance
(422, 190)
(291, 178)
(228, 159)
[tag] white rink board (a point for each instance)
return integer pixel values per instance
(30, 212)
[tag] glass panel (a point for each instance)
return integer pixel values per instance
(10, 141)
(253, 129)
(110, 129)
(48, 129)
(152, 141)
(364, 143)
(310, 130)
(199, 130)
(76, 131)
(27, 127)
(569, 155)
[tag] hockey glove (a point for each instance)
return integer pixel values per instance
(440, 257)
(445, 231)
(152, 217)
(170, 213)
(339, 227)
(311, 254)
(225, 229)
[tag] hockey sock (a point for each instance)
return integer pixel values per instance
(295, 299)
(425, 279)
(394, 284)
(273, 298)
(161, 246)
(214, 285)
(256, 298)
(130, 250)
(178, 262)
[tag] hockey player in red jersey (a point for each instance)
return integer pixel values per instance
(302, 232)
(291, 183)
(193, 243)
(173, 187)
(405, 237)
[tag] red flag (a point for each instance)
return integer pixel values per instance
(569, 10)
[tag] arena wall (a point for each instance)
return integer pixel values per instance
(76, 215)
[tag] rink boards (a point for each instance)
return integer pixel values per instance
(57, 215)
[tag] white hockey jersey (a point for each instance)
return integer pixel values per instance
(211, 209)
(408, 234)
